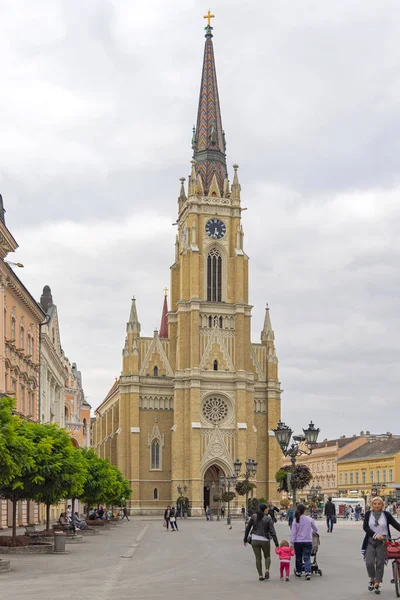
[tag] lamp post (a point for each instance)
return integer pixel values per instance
(283, 435)
(251, 470)
(228, 481)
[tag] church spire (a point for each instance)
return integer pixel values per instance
(133, 324)
(208, 141)
(164, 319)
(267, 333)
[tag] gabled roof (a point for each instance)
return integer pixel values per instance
(374, 449)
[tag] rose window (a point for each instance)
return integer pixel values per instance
(215, 410)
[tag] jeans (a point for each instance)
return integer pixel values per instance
(302, 551)
(329, 522)
(264, 547)
(375, 556)
(174, 525)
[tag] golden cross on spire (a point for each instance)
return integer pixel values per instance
(165, 291)
(209, 16)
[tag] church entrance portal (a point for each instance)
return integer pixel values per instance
(211, 487)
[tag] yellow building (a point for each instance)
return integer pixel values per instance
(372, 469)
(323, 463)
(198, 394)
(19, 353)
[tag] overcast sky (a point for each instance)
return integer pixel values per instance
(97, 106)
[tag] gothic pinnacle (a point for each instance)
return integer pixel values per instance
(133, 324)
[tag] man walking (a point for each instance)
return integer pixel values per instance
(272, 510)
(124, 514)
(330, 514)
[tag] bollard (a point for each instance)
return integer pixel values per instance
(59, 541)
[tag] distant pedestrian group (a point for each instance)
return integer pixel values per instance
(170, 518)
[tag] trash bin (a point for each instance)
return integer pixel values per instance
(59, 541)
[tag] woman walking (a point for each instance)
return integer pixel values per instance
(262, 529)
(302, 531)
(377, 530)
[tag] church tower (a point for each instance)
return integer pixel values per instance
(198, 394)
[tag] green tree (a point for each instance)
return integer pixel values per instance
(9, 464)
(60, 467)
(100, 481)
(119, 489)
(22, 476)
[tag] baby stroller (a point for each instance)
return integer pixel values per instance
(315, 570)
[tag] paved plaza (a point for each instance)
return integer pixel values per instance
(140, 559)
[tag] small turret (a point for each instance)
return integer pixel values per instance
(133, 325)
(267, 333)
(235, 194)
(164, 318)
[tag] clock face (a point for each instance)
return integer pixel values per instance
(215, 229)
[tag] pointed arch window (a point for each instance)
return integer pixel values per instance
(214, 276)
(155, 454)
(215, 365)
(22, 337)
(155, 371)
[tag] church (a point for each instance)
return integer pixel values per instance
(198, 394)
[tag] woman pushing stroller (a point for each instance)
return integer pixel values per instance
(301, 539)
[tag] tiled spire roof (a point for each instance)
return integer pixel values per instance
(164, 319)
(208, 141)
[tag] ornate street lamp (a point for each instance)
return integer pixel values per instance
(283, 434)
(251, 470)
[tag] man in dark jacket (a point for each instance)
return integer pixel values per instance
(330, 514)
(272, 510)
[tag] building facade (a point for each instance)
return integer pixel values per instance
(52, 371)
(323, 464)
(19, 353)
(197, 394)
(372, 469)
(76, 407)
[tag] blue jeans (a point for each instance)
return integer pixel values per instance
(329, 522)
(302, 551)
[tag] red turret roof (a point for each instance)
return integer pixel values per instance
(164, 320)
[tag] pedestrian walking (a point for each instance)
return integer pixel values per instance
(167, 514)
(377, 523)
(243, 511)
(259, 532)
(172, 519)
(290, 515)
(208, 513)
(285, 552)
(272, 510)
(222, 512)
(330, 514)
(301, 539)
(125, 514)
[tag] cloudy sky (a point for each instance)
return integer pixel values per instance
(97, 105)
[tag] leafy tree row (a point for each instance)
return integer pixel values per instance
(40, 463)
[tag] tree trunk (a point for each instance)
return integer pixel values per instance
(73, 508)
(47, 516)
(14, 518)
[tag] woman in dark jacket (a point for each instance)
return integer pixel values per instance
(377, 523)
(262, 530)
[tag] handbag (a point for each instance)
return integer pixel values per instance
(334, 520)
(164, 524)
(392, 550)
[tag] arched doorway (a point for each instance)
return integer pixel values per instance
(211, 489)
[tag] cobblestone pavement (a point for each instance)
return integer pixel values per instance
(140, 559)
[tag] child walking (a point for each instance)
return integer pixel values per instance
(285, 552)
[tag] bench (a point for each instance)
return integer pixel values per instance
(32, 532)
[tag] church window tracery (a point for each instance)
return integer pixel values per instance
(215, 410)
(214, 276)
(155, 454)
